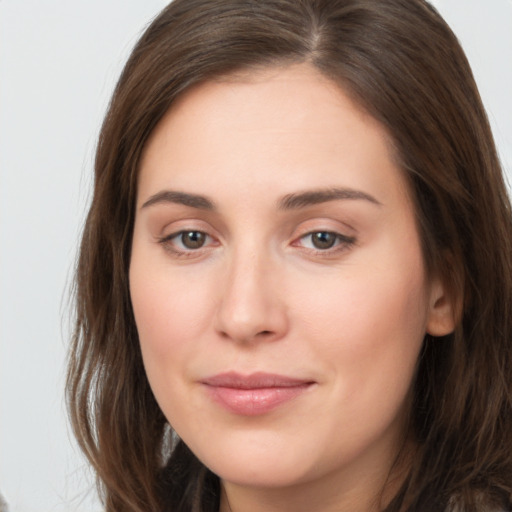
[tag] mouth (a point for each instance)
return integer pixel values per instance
(254, 394)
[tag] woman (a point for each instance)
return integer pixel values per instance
(294, 285)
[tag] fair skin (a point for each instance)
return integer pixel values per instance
(275, 233)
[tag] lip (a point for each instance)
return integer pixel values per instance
(254, 394)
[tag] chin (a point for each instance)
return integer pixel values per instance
(258, 464)
(261, 475)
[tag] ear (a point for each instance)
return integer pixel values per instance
(444, 310)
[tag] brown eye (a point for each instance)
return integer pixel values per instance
(192, 239)
(323, 239)
(326, 241)
(188, 243)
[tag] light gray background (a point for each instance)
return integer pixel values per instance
(59, 60)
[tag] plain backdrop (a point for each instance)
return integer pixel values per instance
(59, 60)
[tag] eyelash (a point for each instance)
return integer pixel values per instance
(341, 243)
(170, 245)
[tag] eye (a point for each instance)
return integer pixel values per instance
(192, 239)
(186, 241)
(325, 240)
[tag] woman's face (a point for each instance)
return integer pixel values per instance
(277, 281)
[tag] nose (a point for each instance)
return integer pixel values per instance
(251, 306)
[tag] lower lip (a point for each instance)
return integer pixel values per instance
(253, 402)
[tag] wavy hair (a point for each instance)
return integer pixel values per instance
(400, 62)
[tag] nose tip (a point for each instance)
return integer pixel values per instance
(246, 331)
(250, 307)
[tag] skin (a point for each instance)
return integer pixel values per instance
(258, 295)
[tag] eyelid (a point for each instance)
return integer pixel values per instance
(174, 230)
(325, 224)
(168, 226)
(181, 232)
(171, 242)
(346, 237)
(341, 240)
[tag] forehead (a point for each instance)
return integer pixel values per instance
(289, 125)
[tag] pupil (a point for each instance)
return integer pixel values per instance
(324, 240)
(193, 239)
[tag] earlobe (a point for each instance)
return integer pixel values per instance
(443, 311)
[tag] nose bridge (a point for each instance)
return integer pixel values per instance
(250, 305)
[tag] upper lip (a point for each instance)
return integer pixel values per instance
(256, 380)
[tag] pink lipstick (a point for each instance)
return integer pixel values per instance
(254, 394)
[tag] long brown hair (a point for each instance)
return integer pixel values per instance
(402, 64)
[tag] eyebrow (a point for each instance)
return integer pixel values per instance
(288, 202)
(184, 198)
(312, 197)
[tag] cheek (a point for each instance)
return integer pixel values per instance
(172, 311)
(171, 314)
(364, 308)
(368, 327)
